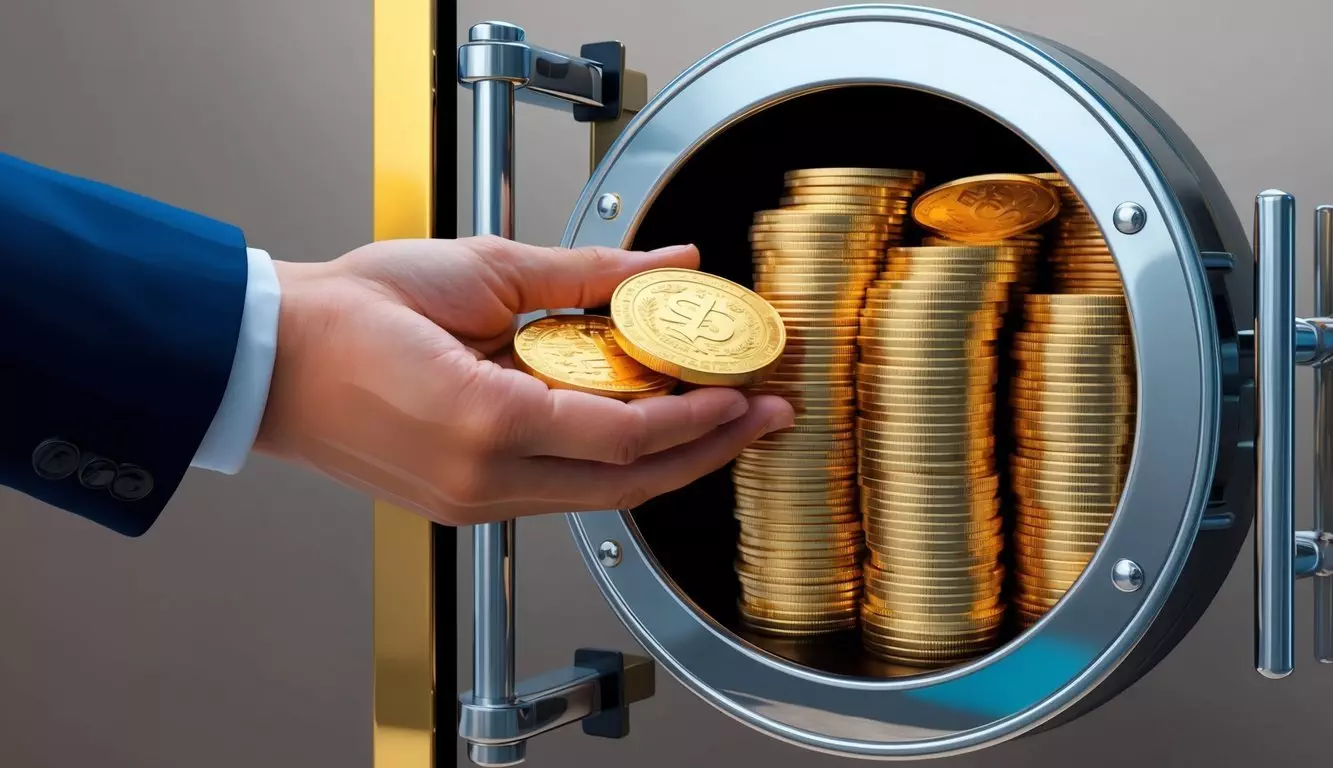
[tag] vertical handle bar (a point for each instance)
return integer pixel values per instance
(1274, 344)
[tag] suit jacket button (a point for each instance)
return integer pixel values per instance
(55, 459)
(132, 483)
(97, 473)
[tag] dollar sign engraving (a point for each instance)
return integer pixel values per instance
(583, 359)
(693, 317)
(1001, 203)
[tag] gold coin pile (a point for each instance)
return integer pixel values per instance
(1080, 258)
(800, 534)
(1074, 410)
(929, 488)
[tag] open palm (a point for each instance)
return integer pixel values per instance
(392, 376)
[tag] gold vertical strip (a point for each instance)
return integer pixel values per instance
(404, 621)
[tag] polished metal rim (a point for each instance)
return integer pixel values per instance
(1052, 665)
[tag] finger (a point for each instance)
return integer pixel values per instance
(534, 277)
(593, 485)
(592, 428)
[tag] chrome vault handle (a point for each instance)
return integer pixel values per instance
(1274, 361)
(493, 543)
(1323, 437)
(1282, 341)
(499, 715)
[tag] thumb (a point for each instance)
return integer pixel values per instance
(537, 277)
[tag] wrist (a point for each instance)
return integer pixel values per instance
(299, 283)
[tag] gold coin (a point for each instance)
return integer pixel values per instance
(990, 207)
(1039, 517)
(697, 327)
(1053, 354)
(798, 575)
(1098, 328)
(909, 599)
(1025, 252)
(1029, 341)
(1053, 565)
(1071, 475)
(1058, 528)
(872, 191)
(920, 461)
(756, 587)
(797, 515)
(785, 217)
(766, 558)
(1088, 289)
(800, 629)
(1085, 268)
(1094, 392)
(1084, 322)
(840, 269)
(1059, 301)
(791, 472)
(825, 196)
(980, 256)
(762, 456)
(981, 583)
(801, 606)
(831, 240)
(800, 616)
(580, 353)
(963, 620)
(807, 606)
(885, 174)
(1068, 463)
(818, 257)
(1033, 546)
(1030, 491)
(914, 482)
(772, 501)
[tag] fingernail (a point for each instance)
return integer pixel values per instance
(781, 421)
(737, 410)
(672, 249)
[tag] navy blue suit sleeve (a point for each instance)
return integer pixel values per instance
(119, 319)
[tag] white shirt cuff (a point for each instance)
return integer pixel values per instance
(232, 434)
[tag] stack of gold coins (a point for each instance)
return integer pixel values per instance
(929, 487)
(1027, 245)
(1080, 259)
(800, 533)
(1073, 400)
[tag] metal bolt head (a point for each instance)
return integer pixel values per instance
(496, 31)
(1127, 576)
(609, 553)
(608, 205)
(1130, 218)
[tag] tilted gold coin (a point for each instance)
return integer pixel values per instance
(579, 352)
(697, 327)
(990, 207)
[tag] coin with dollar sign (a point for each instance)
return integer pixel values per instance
(987, 208)
(697, 327)
(579, 352)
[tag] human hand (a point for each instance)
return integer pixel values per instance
(392, 376)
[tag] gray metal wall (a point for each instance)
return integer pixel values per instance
(238, 631)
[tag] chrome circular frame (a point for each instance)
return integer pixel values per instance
(1051, 666)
